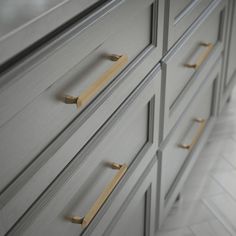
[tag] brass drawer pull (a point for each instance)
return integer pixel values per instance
(202, 124)
(202, 57)
(85, 96)
(84, 221)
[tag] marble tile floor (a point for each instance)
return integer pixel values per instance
(208, 201)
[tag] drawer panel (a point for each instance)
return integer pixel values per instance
(176, 152)
(183, 65)
(139, 205)
(137, 188)
(86, 47)
(44, 117)
(188, 131)
(129, 133)
(182, 14)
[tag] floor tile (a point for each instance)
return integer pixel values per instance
(210, 228)
(209, 163)
(195, 189)
(229, 147)
(230, 155)
(224, 207)
(228, 181)
(187, 214)
(179, 232)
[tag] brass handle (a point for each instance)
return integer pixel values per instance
(202, 57)
(85, 96)
(84, 221)
(202, 124)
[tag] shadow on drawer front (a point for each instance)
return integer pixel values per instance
(127, 135)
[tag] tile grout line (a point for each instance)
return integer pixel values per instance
(228, 226)
(223, 157)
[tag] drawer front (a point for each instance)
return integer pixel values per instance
(184, 64)
(188, 131)
(128, 134)
(182, 14)
(85, 48)
(138, 208)
(38, 114)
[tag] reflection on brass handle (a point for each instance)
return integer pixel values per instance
(84, 221)
(85, 96)
(202, 57)
(202, 123)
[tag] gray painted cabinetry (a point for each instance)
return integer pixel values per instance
(104, 108)
(180, 153)
(229, 69)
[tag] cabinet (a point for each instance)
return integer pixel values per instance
(104, 108)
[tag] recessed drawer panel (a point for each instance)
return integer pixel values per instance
(82, 67)
(182, 14)
(126, 138)
(139, 205)
(188, 131)
(183, 65)
(87, 46)
(129, 133)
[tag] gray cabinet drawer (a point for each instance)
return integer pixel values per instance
(182, 14)
(180, 143)
(133, 197)
(136, 215)
(128, 134)
(183, 64)
(85, 49)
(37, 114)
(176, 155)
